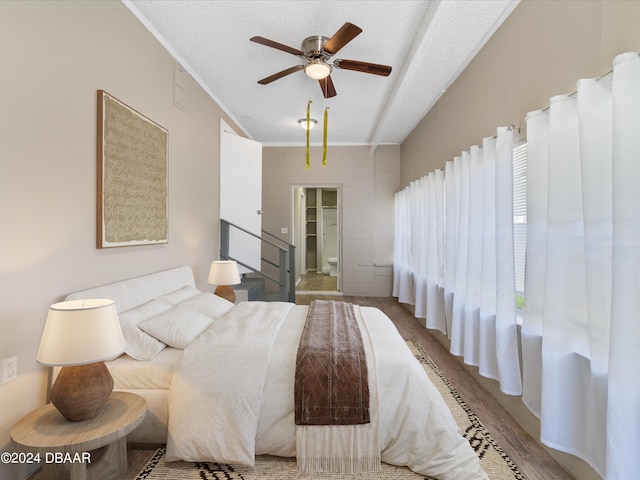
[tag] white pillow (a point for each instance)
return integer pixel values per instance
(180, 295)
(177, 327)
(211, 305)
(137, 344)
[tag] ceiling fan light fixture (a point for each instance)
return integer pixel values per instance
(303, 123)
(317, 69)
(317, 51)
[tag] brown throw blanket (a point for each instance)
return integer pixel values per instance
(331, 380)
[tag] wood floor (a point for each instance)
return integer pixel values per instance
(534, 462)
(317, 282)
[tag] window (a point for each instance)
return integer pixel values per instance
(520, 217)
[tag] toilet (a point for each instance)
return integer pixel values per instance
(333, 262)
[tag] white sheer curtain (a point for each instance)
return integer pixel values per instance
(434, 308)
(623, 414)
(402, 270)
(461, 241)
(419, 242)
(537, 186)
(452, 185)
(581, 328)
(419, 248)
(480, 285)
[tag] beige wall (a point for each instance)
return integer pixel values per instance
(55, 55)
(369, 181)
(541, 50)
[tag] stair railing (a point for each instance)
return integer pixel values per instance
(286, 259)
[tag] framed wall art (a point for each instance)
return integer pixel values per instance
(132, 176)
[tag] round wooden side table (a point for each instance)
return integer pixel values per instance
(63, 445)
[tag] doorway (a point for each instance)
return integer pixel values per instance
(317, 236)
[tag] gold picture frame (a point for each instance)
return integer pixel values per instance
(132, 176)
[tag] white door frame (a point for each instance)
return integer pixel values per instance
(293, 222)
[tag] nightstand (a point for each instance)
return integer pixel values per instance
(73, 446)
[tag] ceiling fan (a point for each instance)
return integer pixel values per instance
(316, 51)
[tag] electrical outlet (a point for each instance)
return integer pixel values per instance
(9, 369)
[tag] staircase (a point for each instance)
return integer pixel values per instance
(250, 288)
(277, 254)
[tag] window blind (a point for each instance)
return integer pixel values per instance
(520, 212)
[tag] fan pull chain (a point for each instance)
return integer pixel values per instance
(324, 137)
(308, 130)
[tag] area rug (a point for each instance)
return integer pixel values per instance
(493, 459)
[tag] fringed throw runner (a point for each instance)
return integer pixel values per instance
(336, 394)
(331, 383)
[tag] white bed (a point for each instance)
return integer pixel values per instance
(194, 391)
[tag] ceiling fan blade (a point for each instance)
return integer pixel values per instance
(276, 45)
(365, 67)
(281, 74)
(347, 32)
(328, 90)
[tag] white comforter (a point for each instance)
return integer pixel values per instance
(231, 396)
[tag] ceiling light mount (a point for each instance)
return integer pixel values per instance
(303, 123)
(313, 47)
(317, 68)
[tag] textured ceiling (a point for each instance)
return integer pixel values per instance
(428, 43)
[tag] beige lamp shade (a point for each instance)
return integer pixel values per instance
(223, 272)
(79, 332)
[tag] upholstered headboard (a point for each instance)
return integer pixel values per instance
(131, 293)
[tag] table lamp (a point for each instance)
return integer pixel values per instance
(80, 335)
(224, 273)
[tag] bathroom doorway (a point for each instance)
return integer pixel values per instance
(316, 233)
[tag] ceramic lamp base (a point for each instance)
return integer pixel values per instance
(80, 391)
(226, 292)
